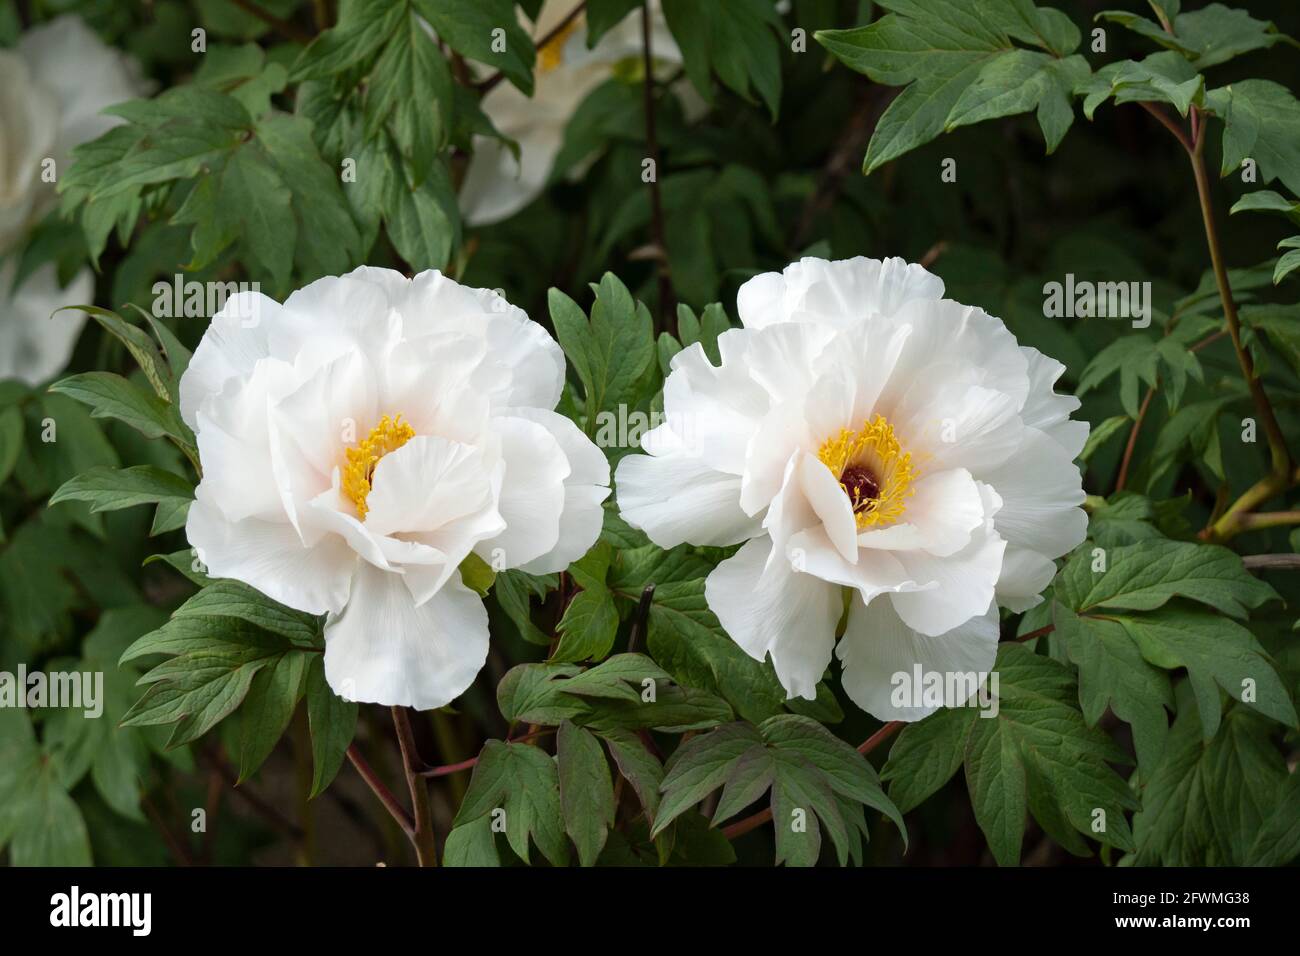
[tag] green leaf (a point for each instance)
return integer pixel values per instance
(472, 28)
(268, 708)
(1278, 840)
(1114, 674)
(588, 627)
(1206, 37)
(410, 86)
(362, 28)
(735, 39)
(638, 766)
(1217, 653)
(233, 599)
(960, 66)
(110, 489)
(1261, 120)
(332, 722)
(1037, 731)
(522, 783)
(1208, 801)
(586, 792)
(926, 755)
(112, 396)
(1146, 575)
(11, 439)
(612, 352)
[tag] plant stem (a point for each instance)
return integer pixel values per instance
(559, 28)
(1271, 562)
(422, 809)
(1277, 443)
(380, 789)
(472, 762)
(290, 30)
(1132, 439)
(656, 198)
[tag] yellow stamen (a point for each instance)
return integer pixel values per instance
(551, 53)
(359, 464)
(872, 469)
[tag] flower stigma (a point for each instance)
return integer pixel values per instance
(359, 464)
(872, 469)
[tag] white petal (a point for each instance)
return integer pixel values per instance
(875, 572)
(584, 490)
(879, 651)
(943, 512)
(269, 556)
(1041, 490)
(34, 344)
(1025, 574)
(428, 483)
(965, 582)
(1045, 409)
(675, 498)
(831, 505)
(532, 494)
(384, 650)
(777, 611)
(839, 293)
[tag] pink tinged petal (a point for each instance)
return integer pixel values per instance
(269, 556)
(776, 612)
(675, 498)
(879, 651)
(383, 649)
(1025, 574)
(1041, 490)
(586, 487)
(532, 493)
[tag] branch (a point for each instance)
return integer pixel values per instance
(652, 145)
(1272, 562)
(290, 30)
(422, 835)
(487, 85)
(448, 769)
(1132, 439)
(395, 809)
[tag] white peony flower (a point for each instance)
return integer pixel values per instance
(52, 89)
(360, 441)
(864, 436)
(496, 185)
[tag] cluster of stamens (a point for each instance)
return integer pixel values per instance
(873, 470)
(358, 469)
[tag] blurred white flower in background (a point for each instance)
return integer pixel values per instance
(360, 441)
(53, 86)
(496, 185)
(864, 437)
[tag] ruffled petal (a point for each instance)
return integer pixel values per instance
(778, 611)
(383, 649)
(881, 656)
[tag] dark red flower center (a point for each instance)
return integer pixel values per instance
(860, 485)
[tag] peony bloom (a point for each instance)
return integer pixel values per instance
(864, 438)
(497, 186)
(52, 89)
(364, 438)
